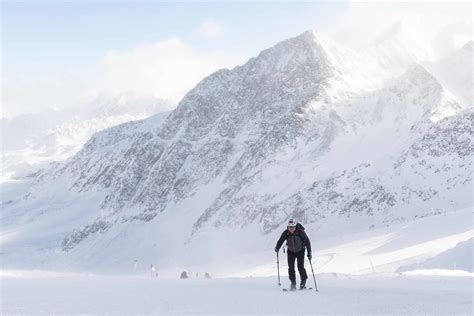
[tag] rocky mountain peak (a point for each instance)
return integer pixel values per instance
(256, 92)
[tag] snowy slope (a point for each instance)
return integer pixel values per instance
(460, 257)
(355, 274)
(298, 131)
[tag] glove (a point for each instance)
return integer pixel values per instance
(276, 249)
(309, 256)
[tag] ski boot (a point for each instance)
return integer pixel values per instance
(303, 284)
(293, 286)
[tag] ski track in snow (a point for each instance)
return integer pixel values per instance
(332, 257)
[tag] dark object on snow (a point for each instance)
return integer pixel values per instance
(184, 275)
(207, 275)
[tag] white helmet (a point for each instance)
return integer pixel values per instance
(291, 223)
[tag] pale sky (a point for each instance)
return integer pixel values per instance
(62, 53)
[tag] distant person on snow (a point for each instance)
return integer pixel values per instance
(153, 271)
(296, 241)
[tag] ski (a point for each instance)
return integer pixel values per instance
(295, 290)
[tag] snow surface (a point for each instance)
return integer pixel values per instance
(36, 292)
(458, 258)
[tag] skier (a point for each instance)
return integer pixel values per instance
(296, 241)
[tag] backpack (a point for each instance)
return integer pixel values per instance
(299, 227)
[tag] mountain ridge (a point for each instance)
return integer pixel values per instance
(280, 136)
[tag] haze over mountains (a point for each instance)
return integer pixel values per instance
(343, 141)
(31, 141)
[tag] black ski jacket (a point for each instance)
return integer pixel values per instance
(296, 242)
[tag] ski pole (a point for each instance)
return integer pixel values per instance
(314, 278)
(278, 267)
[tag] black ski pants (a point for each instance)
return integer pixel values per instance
(299, 256)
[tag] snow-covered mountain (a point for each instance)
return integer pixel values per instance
(455, 73)
(31, 141)
(306, 129)
(402, 44)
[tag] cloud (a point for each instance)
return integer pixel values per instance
(165, 69)
(210, 28)
(23, 94)
(429, 21)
